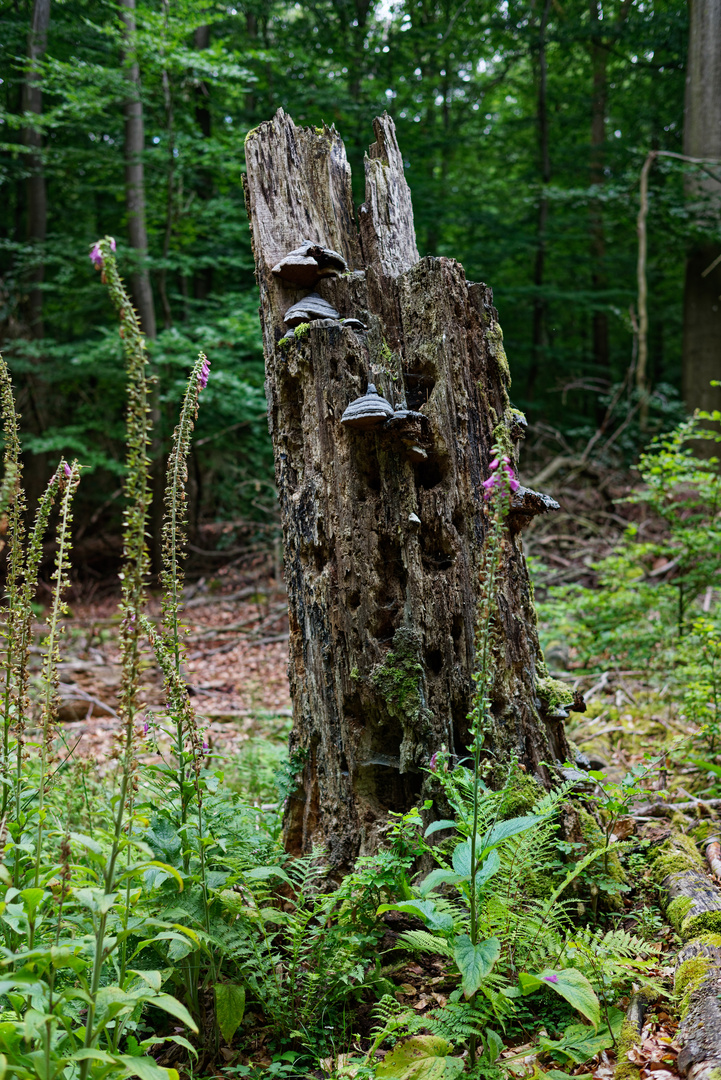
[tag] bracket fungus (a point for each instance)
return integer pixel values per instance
(308, 309)
(527, 504)
(371, 410)
(306, 265)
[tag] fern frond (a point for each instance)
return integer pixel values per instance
(456, 1022)
(617, 943)
(422, 941)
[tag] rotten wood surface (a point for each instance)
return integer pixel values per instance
(699, 1032)
(697, 887)
(383, 529)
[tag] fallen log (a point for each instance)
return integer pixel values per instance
(697, 982)
(693, 907)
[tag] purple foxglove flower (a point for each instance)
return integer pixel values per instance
(494, 465)
(514, 485)
(96, 254)
(66, 469)
(506, 460)
(489, 483)
(203, 375)
(434, 762)
(145, 729)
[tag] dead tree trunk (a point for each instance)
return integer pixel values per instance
(383, 529)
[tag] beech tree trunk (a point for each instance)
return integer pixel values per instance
(702, 139)
(135, 176)
(383, 530)
(32, 102)
(599, 283)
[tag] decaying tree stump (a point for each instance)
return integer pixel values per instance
(383, 527)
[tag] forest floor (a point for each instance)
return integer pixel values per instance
(237, 632)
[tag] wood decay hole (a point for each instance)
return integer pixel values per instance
(418, 390)
(437, 549)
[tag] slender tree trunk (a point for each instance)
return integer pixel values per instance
(540, 339)
(170, 183)
(37, 210)
(135, 177)
(203, 276)
(702, 139)
(601, 355)
(383, 529)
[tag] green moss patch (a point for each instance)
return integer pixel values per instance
(677, 911)
(521, 795)
(554, 694)
(690, 976)
(705, 922)
(676, 855)
(627, 1039)
(399, 678)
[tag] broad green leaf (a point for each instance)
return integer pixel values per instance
(263, 873)
(422, 1057)
(32, 898)
(173, 1006)
(153, 979)
(571, 985)
(490, 867)
(88, 842)
(92, 1054)
(422, 909)
(437, 826)
(146, 1068)
(166, 868)
(462, 858)
(437, 877)
(229, 1008)
(504, 830)
(475, 962)
(179, 1039)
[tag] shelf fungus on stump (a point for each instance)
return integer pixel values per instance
(527, 504)
(309, 309)
(412, 432)
(306, 265)
(371, 410)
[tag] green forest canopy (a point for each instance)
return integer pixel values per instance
(524, 127)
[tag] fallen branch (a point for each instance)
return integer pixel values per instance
(663, 809)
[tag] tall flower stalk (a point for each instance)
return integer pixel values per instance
(66, 480)
(13, 505)
(134, 577)
(497, 493)
(175, 523)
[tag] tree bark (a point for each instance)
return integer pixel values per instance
(383, 530)
(32, 102)
(598, 139)
(540, 337)
(203, 276)
(702, 139)
(135, 177)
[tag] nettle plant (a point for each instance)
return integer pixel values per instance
(478, 905)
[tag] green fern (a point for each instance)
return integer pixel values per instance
(422, 941)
